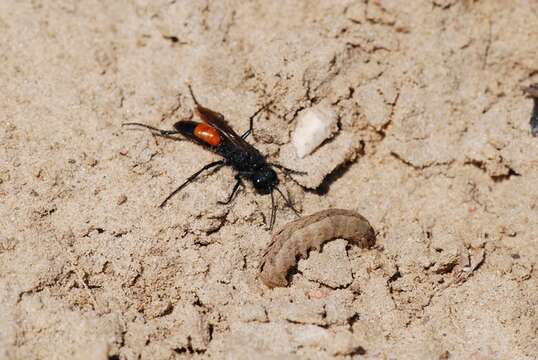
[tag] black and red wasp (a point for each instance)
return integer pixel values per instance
(216, 135)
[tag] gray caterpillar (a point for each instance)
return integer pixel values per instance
(296, 238)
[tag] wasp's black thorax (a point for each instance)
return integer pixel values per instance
(252, 166)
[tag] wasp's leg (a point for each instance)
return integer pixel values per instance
(191, 178)
(273, 212)
(234, 191)
(251, 120)
(288, 202)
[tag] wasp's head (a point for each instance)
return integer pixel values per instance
(264, 180)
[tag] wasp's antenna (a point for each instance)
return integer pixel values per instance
(286, 170)
(192, 95)
(159, 132)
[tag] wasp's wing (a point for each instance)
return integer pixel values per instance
(217, 120)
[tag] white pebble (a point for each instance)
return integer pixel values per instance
(313, 127)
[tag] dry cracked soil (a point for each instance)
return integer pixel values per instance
(433, 148)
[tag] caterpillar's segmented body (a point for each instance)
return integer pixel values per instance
(296, 238)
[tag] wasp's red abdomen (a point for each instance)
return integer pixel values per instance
(207, 134)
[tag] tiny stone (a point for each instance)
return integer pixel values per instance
(122, 199)
(314, 126)
(318, 294)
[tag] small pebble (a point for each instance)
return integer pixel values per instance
(122, 199)
(314, 126)
(318, 294)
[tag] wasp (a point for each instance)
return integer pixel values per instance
(216, 135)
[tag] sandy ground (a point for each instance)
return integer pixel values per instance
(435, 151)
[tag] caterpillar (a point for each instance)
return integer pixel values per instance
(296, 238)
